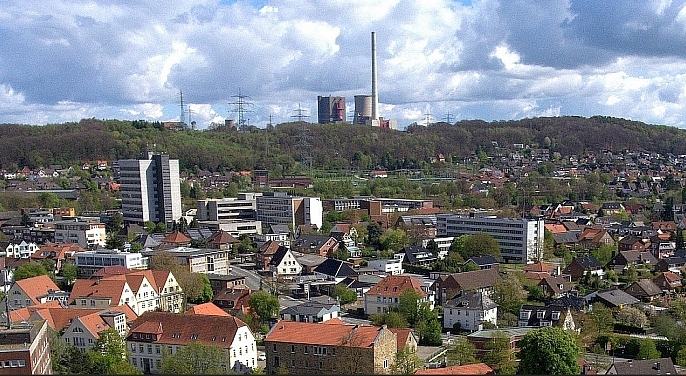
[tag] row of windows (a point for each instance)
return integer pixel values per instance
(13, 363)
(316, 350)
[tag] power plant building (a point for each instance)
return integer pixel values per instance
(150, 189)
(330, 109)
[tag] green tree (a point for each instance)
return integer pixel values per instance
(458, 244)
(390, 319)
(632, 317)
(374, 231)
(681, 357)
(406, 362)
(28, 270)
(480, 244)
(549, 351)
(110, 354)
(499, 354)
(394, 239)
(602, 317)
(264, 305)
(207, 293)
(509, 294)
(150, 227)
(461, 352)
(196, 358)
(408, 305)
(344, 294)
(603, 253)
(68, 272)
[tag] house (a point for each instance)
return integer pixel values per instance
(417, 256)
(20, 249)
(57, 252)
(592, 237)
(531, 315)
(392, 266)
(222, 240)
(623, 259)
(447, 286)
(583, 265)
(336, 348)
(469, 310)
(334, 270)
(466, 369)
(83, 331)
(554, 287)
(615, 299)
(29, 291)
(309, 262)
(284, 265)
(483, 262)
(668, 281)
(265, 253)
(234, 300)
(631, 243)
(311, 311)
(538, 270)
(482, 338)
(385, 294)
(407, 340)
(660, 366)
(673, 264)
(643, 289)
(156, 333)
(221, 282)
(346, 234)
(321, 245)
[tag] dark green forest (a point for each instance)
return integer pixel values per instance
(330, 146)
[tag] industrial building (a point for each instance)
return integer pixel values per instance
(330, 109)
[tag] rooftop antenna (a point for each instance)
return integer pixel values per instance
(240, 107)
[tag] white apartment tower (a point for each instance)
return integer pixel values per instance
(520, 240)
(150, 189)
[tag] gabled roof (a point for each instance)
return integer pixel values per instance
(538, 267)
(175, 329)
(587, 262)
(105, 288)
(335, 268)
(395, 285)
(94, 323)
(671, 277)
(613, 297)
(483, 260)
(206, 309)
(403, 335)
(473, 300)
(279, 255)
(473, 280)
(269, 247)
(363, 336)
(647, 285)
(110, 271)
(36, 286)
(310, 308)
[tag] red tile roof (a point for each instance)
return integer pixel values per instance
(326, 335)
(111, 270)
(538, 267)
(111, 287)
(94, 324)
(176, 237)
(467, 369)
(206, 309)
(395, 285)
(403, 334)
(36, 286)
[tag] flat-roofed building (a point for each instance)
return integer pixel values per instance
(198, 260)
(89, 262)
(25, 349)
(520, 240)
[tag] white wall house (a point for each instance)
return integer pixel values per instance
(469, 310)
(392, 266)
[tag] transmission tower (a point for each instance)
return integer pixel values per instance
(190, 112)
(428, 118)
(304, 138)
(448, 118)
(241, 107)
(182, 118)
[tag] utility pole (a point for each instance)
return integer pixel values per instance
(428, 117)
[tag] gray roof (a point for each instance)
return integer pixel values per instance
(614, 297)
(471, 300)
(311, 308)
(661, 366)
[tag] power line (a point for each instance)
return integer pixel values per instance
(240, 107)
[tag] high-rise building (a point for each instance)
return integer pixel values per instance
(150, 189)
(520, 240)
(278, 208)
(331, 109)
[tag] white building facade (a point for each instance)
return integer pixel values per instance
(520, 240)
(85, 234)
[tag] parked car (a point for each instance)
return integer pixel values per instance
(261, 356)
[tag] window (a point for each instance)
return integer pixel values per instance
(385, 363)
(135, 361)
(539, 314)
(140, 348)
(157, 349)
(274, 348)
(305, 350)
(149, 349)
(292, 348)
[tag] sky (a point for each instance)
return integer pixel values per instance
(438, 60)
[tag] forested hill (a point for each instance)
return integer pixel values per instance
(329, 146)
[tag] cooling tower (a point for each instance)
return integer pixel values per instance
(363, 109)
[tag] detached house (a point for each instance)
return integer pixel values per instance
(469, 311)
(284, 265)
(29, 291)
(447, 286)
(554, 287)
(668, 281)
(643, 289)
(624, 259)
(583, 265)
(531, 315)
(385, 294)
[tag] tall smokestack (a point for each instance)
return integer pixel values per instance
(375, 93)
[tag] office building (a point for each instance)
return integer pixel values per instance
(520, 240)
(25, 349)
(86, 234)
(278, 208)
(150, 189)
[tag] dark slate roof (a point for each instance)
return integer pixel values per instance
(279, 229)
(415, 254)
(566, 237)
(548, 311)
(588, 262)
(483, 260)
(661, 366)
(614, 297)
(310, 240)
(199, 233)
(675, 260)
(278, 256)
(647, 285)
(335, 268)
(568, 301)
